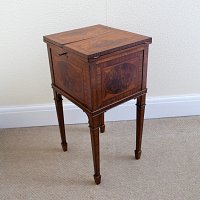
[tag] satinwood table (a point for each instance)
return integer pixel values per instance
(98, 68)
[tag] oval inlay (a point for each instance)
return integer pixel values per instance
(120, 78)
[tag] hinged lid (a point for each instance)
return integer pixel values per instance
(94, 41)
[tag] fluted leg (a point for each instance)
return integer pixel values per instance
(102, 125)
(139, 124)
(94, 133)
(59, 110)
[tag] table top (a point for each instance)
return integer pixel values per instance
(96, 40)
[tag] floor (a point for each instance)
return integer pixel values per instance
(33, 166)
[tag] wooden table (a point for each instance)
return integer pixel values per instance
(98, 68)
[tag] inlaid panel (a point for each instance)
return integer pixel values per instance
(68, 77)
(119, 78)
(122, 78)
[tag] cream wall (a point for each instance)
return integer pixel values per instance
(24, 73)
(174, 59)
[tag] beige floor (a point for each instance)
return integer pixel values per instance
(33, 166)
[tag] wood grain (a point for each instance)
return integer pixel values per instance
(106, 43)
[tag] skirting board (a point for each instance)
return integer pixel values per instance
(45, 114)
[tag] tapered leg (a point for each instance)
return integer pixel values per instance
(102, 125)
(59, 110)
(139, 124)
(94, 133)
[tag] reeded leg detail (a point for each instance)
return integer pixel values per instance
(139, 124)
(102, 125)
(59, 110)
(94, 133)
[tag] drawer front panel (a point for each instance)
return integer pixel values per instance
(68, 76)
(120, 77)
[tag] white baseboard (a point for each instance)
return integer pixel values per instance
(42, 115)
